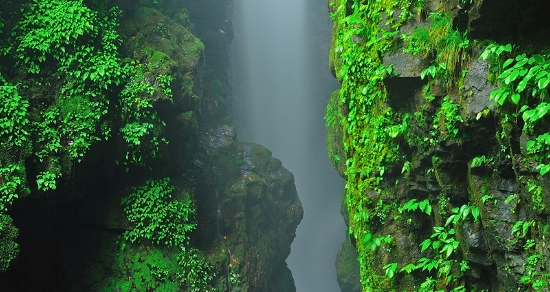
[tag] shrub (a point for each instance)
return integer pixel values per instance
(157, 215)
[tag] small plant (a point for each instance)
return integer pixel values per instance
(447, 119)
(196, 273)
(486, 198)
(462, 213)
(11, 181)
(406, 169)
(480, 160)
(521, 228)
(537, 195)
(158, 216)
(390, 269)
(46, 180)
(414, 204)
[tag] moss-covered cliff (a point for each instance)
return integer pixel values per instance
(442, 119)
(120, 169)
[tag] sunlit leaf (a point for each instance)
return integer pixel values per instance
(543, 82)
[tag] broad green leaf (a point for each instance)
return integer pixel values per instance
(485, 54)
(475, 213)
(464, 210)
(425, 244)
(523, 84)
(538, 58)
(513, 76)
(521, 57)
(449, 220)
(505, 74)
(541, 74)
(544, 168)
(522, 72)
(515, 98)
(543, 82)
(507, 63)
(508, 48)
(423, 204)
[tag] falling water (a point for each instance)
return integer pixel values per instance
(281, 85)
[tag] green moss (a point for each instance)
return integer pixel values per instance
(143, 268)
(334, 120)
(161, 61)
(373, 131)
(159, 41)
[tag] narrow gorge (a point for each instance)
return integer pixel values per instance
(441, 136)
(248, 145)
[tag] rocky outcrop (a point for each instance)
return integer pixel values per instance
(444, 188)
(250, 209)
(166, 142)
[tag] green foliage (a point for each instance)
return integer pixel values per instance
(521, 228)
(12, 178)
(447, 48)
(535, 276)
(158, 216)
(14, 120)
(523, 81)
(374, 243)
(537, 195)
(142, 127)
(370, 127)
(144, 269)
(62, 66)
(374, 132)
(48, 141)
(414, 205)
(390, 269)
(447, 119)
(38, 38)
(448, 270)
(46, 181)
(481, 160)
(8, 246)
(67, 44)
(195, 274)
(460, 214)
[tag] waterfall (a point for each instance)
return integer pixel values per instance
(281, 86)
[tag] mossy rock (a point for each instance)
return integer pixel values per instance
(334, 118)
(347, 268)
(164, 47)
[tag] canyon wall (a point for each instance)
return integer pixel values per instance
(440, 132)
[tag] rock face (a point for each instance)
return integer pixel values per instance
(213, 214)
(250, 209)
(445, 165)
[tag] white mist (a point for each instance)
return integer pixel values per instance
(281, 86)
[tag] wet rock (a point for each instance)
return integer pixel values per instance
(334, 118)
(261, 211)
(478, 89)
(347, 268)
(404, 64)
(474, 245)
